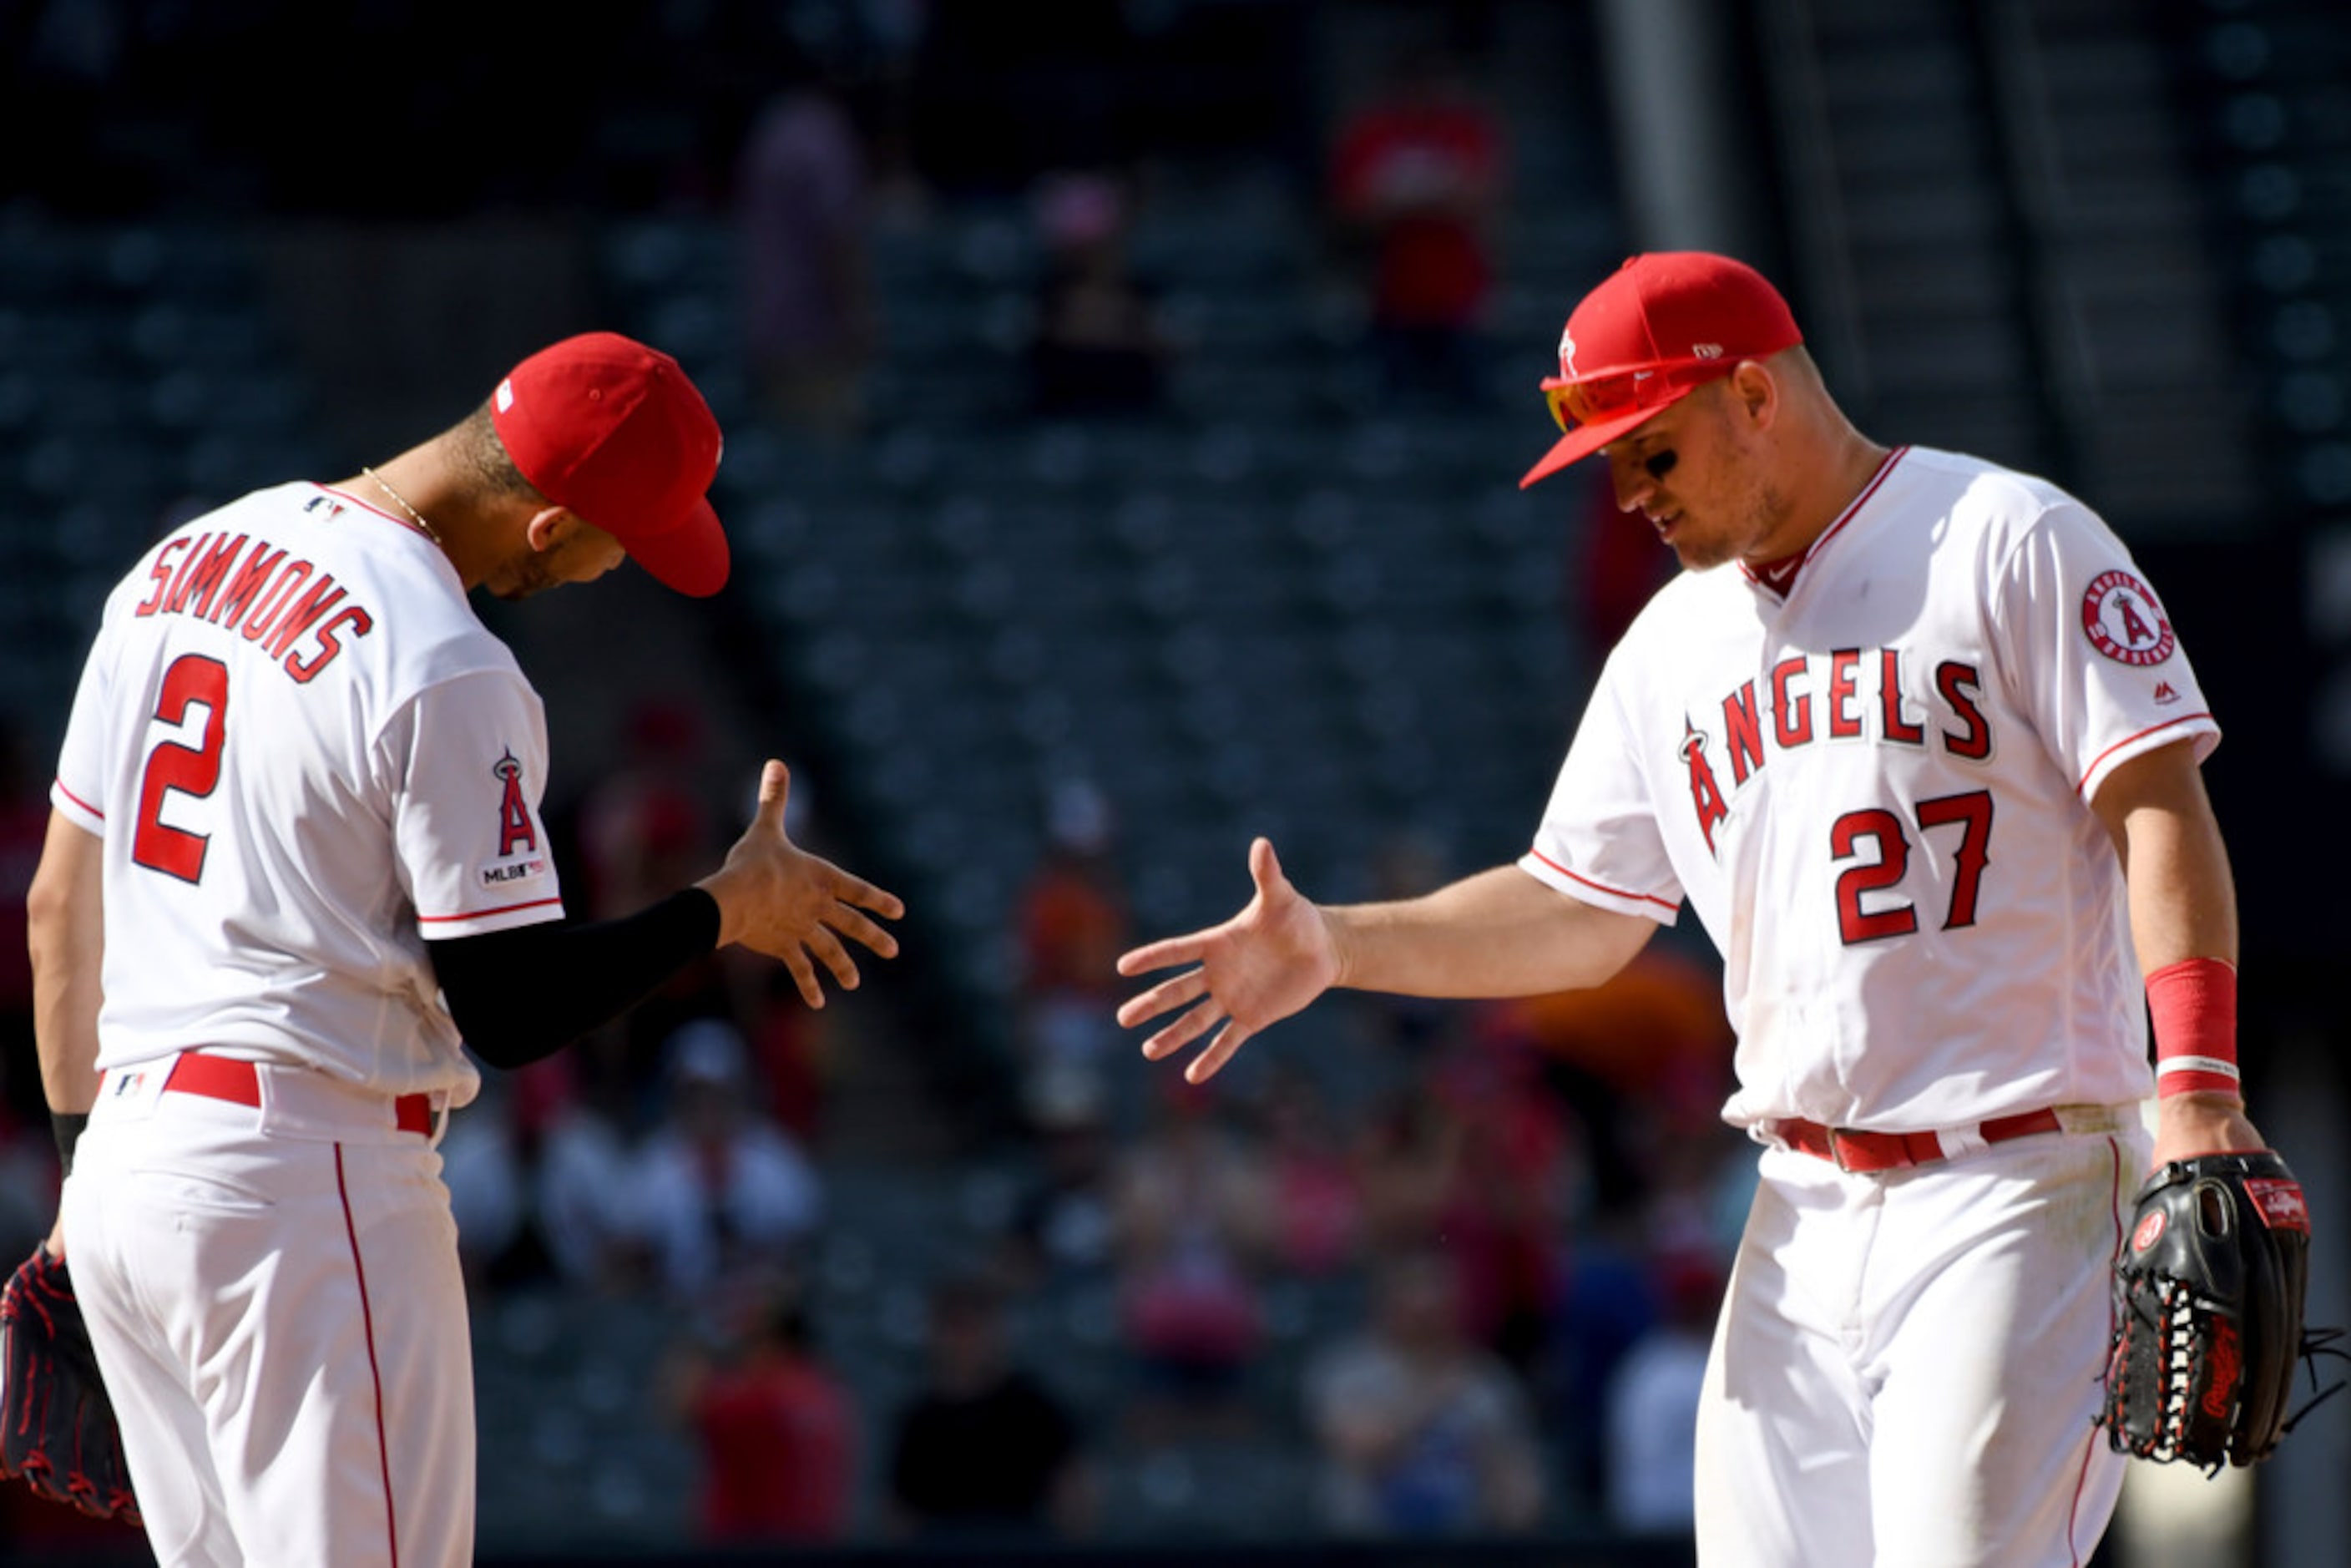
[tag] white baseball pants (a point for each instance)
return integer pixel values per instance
(1906, 1365)
(275, 1299)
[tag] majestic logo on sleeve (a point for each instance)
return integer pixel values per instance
(2124, 621)
(515, 830)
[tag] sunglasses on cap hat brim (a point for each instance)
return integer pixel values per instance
(1603, 399)
(1592, 411)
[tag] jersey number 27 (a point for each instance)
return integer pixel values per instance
(1970, 813)
(190, 769)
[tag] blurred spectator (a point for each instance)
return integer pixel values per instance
(1643, 1061)
(722, 1194)
(1062, 1228)
(1609, 570)
(777, 1431)
(24, 824)
(1422, 1433)
(1509, 1196)
(803, 207)
(789, 1051)
(29, 1179)
(584, 1191)
(482, 1166)
(1195, 1229)
(1317, 1193)
(1417, 179)
(1474, 1159)
(986, 1452)
(1098, 346)
(1652, 1402)
(28, 1158)
(1073, 926)
(1405, 1156)
(645, 827)
(1605, 1305)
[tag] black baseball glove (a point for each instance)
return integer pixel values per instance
(59, 1436)
(2207, 1313)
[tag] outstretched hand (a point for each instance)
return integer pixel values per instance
(776, 898)
(1261, 965)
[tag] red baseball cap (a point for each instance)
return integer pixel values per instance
(614, 431)
(1662, 326)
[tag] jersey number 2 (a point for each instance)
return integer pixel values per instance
(1970, 813)
(191, 770)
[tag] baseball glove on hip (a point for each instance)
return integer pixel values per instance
(59, 1436)
(2207, 1313)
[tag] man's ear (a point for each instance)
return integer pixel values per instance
(546, 526)
(1755, 392)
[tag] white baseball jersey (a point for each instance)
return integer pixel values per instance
(250, 738)
(1873, 792)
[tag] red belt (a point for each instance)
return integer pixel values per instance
(225, 1078)
(1866, 1153)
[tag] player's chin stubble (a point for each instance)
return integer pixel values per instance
(1751, 541)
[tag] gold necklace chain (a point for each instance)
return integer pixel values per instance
(402, 501)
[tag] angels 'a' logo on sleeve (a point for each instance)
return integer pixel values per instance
(519, 858)
(516, 830)
(2123, 621)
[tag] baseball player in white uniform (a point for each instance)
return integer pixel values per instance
(1914, 738)
(296, 861)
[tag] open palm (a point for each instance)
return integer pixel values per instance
(1261, 965)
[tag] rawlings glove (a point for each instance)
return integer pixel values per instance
(59, 1434)
(2207, 1313)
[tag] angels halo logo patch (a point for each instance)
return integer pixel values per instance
(2123, 621)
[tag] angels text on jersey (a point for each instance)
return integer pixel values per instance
(1850, 696)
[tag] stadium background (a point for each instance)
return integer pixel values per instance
(1288, 587)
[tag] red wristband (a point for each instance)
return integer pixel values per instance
(2193, 1004)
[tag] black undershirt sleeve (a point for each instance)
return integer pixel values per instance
(521, 995)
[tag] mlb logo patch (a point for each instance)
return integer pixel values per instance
(506, 874)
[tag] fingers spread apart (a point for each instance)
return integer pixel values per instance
(1186, 1028)
(1164, 954)
(834, 957)
(862, 931)
(857, 891)
(1165, 997)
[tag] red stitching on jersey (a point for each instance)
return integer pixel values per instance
(485, 914)
(2099, 760)
(367, 1325)
(1884, 469)
(79, 801)
(1602, 886)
